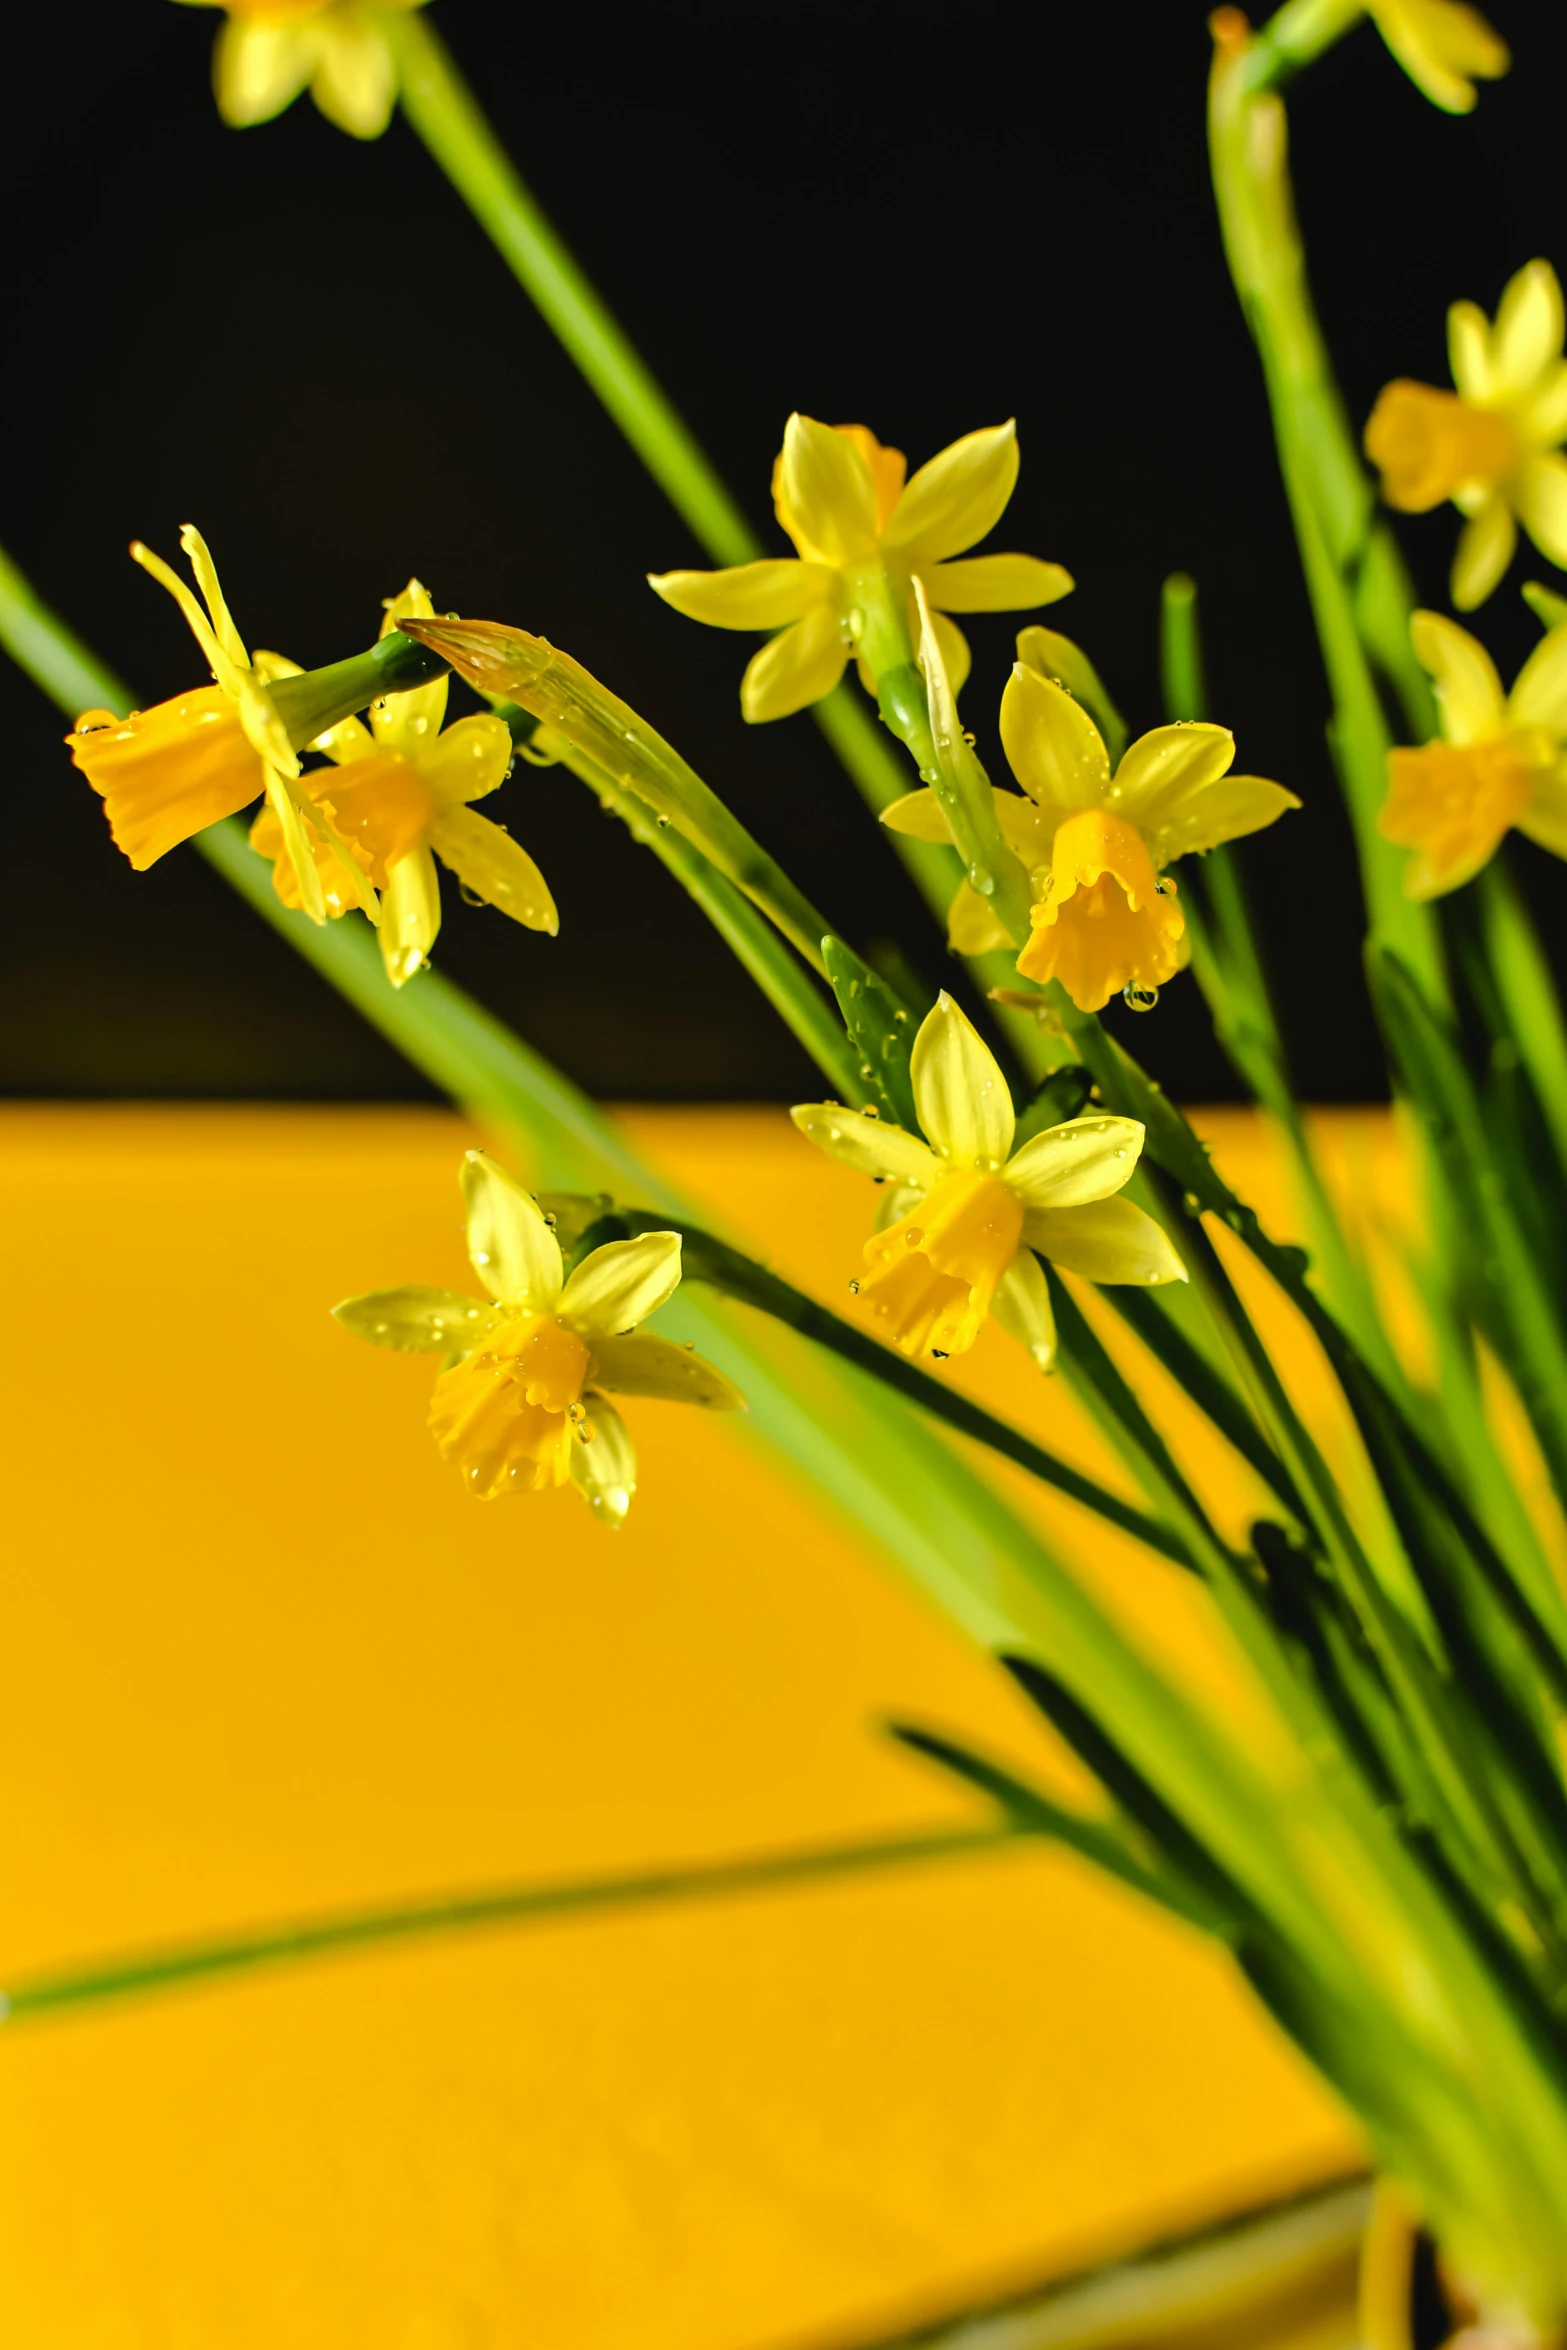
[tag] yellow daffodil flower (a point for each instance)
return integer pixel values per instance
(1493, 445)
(524, 1407)
(1443, 46)
(403, 789)
(268, 51)
(167, 773)
(864, 535)
(967, 1217)
(1502, 759)
(1095, 844)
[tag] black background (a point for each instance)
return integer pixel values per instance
(926, 217)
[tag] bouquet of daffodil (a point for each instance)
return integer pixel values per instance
(1388, 1863)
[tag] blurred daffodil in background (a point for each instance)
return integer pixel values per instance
(1501, 762)
(269, 51)
(1095, 843)
(400, 798)
(864, 533)
(966, 1214)
(166, 773)
(1493, 446)
(521, 1405)
(1444, 46)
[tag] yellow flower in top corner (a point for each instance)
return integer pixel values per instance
(1095, 844)
(524, 1406)
(402, 789)
(864, 535)
(167, 773)
(268, 51)
(1444, 46)
(967, 1216)
(1492, 446)
(1502, 759)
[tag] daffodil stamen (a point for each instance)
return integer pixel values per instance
(968, 1217)
(525, 1407)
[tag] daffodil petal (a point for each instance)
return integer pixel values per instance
(961, 1096)
(953, 646)
(348, 740)
(604, 1464)
(1541, 496)
(750, 595)
(410, 722)
(872, 1146)
(1440, 44)
(1214, 813)
(1469, 350)
(1539, 695)
(646, 1365)
(623, 1282)
(282, 800)
(955, 499)
(1468, 690)
(258, 69)
(995, 583)
(1485, 548)
(1022, 1306)
(1109, 1240)
(418, 1321)
(495, 867)
(793, 670)
(973, 925)
(410, 915)
(918, 816)
(1068, 1165)
(1545, 817)
(355, 81)
(511, 1248)
(1165, 767)
(469, 760)
(826, 493)
(1052, 745)
(1544, 414)
(1527, 334)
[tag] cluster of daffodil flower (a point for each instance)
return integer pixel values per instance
(1396, 1889)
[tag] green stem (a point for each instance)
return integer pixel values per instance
(49, 1990)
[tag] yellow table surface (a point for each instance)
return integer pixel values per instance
(265, 1657)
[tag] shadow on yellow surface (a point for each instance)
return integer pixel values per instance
(265, 1657)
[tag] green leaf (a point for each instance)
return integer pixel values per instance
(881, 1029)
(1061, 1097)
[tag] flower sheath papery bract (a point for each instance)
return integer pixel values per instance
(1095, 843)
(402, 790)
(268, 51)
(1492, 446)
(166, 773)
(1444, 46)
(1501, 760)
(864, 535)
(520, 1404)
(968, 1218)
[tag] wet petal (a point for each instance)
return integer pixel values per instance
(1052, 745)
(619, 1285)
(418, 1321)
(410, 722)
(1541, 495)
(645, 1365)
(604, 1463)
(1527, 334)
(751, 595)
(959, 1091)
(1165, 767)
(410, 915)
(1022, 1306)
(953, 646)
(955, 499)
(793, 670)
(1468, 690)
(468, 761)
(827, 497)
(1111, 1240)
(1539, 695)
(512, 1249)
(1084, 1159)
(1227, 810)
(495, 867)
(872, 1146)
(973, 925)
(1485, 548)
(918, 816)
(1107, 923)
(166, 773)
(995, 583)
